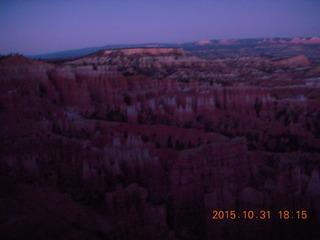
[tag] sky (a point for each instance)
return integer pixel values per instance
(45, 26)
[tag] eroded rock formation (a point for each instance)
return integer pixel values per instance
(146, 143)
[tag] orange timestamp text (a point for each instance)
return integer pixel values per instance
(263, 214)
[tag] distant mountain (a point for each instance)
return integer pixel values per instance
(85, 51)
(142, 55)
(190, 46)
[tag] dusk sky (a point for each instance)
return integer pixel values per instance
(39, 26)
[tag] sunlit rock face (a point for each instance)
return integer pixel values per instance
(137, 56)
(145, 143)
(313, 40)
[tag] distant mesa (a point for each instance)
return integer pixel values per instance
(141, 54)
(76, 53)
(283, 41)
(152, 45)
(267, 40)
(296, 40)
(227, 42)
(204, 42)
(147, 50)
(313, 40)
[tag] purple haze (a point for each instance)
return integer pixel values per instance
(34, 27)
